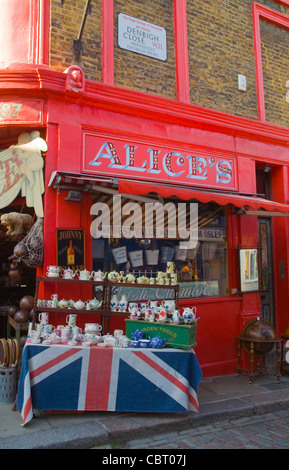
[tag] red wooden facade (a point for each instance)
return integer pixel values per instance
(50, 104)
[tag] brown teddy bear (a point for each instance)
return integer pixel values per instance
(16, 223)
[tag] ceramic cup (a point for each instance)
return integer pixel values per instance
(71, 319)
(48, 328)
(144, 343)
(65, 332)
(43, 318)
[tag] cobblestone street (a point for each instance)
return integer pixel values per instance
(268, 431)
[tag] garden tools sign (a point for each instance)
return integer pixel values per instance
(21, 170)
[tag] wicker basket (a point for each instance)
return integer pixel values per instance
(8, 384)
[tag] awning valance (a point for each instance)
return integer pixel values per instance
(249, 203)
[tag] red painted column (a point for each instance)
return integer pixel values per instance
(107, 39)
(181, 48)
(24, 33)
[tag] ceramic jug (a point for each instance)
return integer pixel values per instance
(123, 303)
(114, 302)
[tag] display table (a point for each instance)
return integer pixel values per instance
(62, 377)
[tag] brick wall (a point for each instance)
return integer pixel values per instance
(220, 46)
(65, 23)
(140, 72)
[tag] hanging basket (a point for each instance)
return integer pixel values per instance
(30, 249)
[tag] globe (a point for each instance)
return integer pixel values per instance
(259, 329)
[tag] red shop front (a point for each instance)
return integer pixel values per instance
(111, 154)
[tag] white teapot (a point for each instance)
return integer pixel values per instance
(79, 305)
(93, 304)
(63, 303)
(98, 275)
(68, 273)
(189, 314)
(84, 275)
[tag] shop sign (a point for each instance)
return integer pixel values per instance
(70, 248)
(141, 37)
(188, 290)
(210, 234)
(11, 112)
(110, 156)
(21, 170)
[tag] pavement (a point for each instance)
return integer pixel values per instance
(220, 398)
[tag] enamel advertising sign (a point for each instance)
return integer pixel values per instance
(124, 158)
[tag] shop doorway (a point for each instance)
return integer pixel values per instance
(266, 270)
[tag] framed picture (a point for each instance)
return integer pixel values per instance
(249, 273)
(70, 248)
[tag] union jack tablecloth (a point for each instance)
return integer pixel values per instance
(61, 377)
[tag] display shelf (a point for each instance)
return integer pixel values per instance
(105, 311)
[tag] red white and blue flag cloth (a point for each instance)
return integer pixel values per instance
(61, 377)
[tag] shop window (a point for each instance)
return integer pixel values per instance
(202, 270)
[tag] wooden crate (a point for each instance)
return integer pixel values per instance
(176, 336)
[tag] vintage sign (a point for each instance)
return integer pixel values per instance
(21, 170)
(113, 156)
(70, 248)
(141, 37)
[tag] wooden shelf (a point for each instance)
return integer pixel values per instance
(106, 312)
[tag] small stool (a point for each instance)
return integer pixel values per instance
(18, 327)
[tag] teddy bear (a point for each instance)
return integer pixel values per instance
(16, 223)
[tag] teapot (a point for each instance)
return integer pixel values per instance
(63, 303)
(93, 304)
(84, 275)
(189, 315)
(157, 342)
(113, 276)
(143, 280)
(79, 305)
(130, 278)
(68, 273)
(98, 275)
(137, 334)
